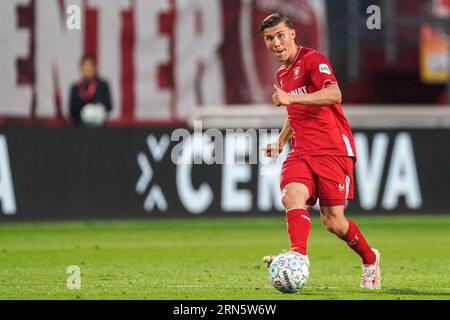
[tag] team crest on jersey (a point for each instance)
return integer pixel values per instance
(296, 73)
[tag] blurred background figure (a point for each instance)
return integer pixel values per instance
(90, 99)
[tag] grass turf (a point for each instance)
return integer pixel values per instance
(217, 259)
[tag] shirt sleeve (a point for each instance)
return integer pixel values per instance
(321, 72)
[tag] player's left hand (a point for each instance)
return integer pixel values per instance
(280, 97)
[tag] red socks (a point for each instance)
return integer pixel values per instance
(298, 226)
(357, 243)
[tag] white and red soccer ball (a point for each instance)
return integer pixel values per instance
(289, 273)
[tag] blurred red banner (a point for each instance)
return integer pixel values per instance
(162, 58)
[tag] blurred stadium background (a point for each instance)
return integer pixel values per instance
(171, 63)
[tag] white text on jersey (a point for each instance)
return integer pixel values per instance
(299, 91)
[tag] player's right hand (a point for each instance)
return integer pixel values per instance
(280, 97)
(273, 150)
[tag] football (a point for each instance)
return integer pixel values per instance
(289, 272)
(94, 115)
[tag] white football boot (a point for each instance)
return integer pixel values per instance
(371, 273)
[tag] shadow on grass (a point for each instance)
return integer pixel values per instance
(399, 292)
(412, 292)
(333, 294)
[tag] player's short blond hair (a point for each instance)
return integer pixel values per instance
(273, 20)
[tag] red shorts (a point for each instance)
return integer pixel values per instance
(328, 178)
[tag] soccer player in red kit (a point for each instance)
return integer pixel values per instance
(320, 165)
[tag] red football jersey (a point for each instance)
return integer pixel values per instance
(316, 130)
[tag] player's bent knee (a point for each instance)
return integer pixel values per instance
(294, 196)
(333, 224)
(287, 201)
(293, 201)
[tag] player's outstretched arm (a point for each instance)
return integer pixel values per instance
(328, 96)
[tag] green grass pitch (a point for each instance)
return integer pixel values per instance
(217, 259)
